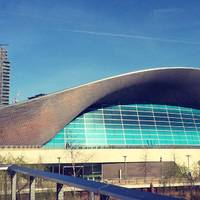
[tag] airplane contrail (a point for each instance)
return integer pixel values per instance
(129, 36)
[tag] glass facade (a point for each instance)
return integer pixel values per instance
(131, 126)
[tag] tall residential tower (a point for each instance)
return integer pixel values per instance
(4, 77)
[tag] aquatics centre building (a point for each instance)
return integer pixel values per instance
(150, 115)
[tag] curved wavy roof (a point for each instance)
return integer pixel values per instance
(35, 122)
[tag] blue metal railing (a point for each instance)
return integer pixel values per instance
(91, 186)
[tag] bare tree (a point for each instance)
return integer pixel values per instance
(4, 178)
(75, 156)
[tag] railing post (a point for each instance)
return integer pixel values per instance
(31, 188)
(13, 185)
(91, 196)
(59, 191)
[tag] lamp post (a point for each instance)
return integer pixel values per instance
(188, 161)
(58, 164)
(161, 167)
(125, 167)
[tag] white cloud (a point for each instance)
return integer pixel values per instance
(167, 11)
(131, 36)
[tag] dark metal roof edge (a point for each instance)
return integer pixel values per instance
(101, 80)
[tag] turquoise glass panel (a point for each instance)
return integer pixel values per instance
(132, 125)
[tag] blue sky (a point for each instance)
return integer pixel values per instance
(57, 44)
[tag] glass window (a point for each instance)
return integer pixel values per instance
(132, 113)
(180, 142)
(177, 128)
(197, 117)
(190, 129)
(188, 120)
(161, 115)
(97, 131)
(130, 137)
(116, 142)
(93, 120)
(147, 127)
(146, 118)
(94, 116)
(165, 142)
(187, 112)
(132, 131)
(172, 120)
(176, 123)
(111, 112)
(134, 142)
(149, 132)
(187, 116)
(112, 117)
(162, 123)
(157, 110)
(137, 124)
(144, 109)
(159, 118)
(145, 113)
(129, 122)
(189, 124)
(131, 126)
(126, 117)
(114, 126)
(124, 108)
(174, 115)
(166, 128)
(110, 121)
(114, 130)
(152, 123)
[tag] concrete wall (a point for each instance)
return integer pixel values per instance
(32, 155)
(136, 169)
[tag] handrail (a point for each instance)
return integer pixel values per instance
(91, 186)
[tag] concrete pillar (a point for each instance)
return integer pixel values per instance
(120, 174)
(59, 191)
(32, 188)
(13, 185)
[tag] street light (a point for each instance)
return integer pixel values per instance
(188, 160)
(161, 167)
(125, 170)
(58, 164)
